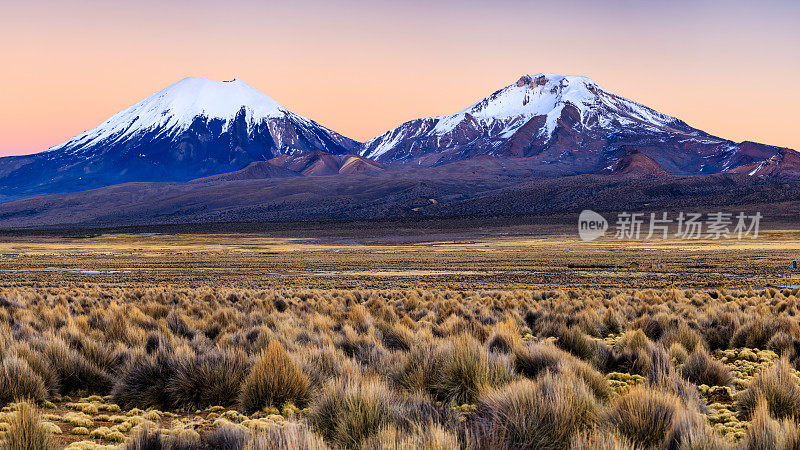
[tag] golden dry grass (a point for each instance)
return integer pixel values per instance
(197, 341)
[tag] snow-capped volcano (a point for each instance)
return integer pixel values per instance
(173, 109)
(569, 124)
(193, 128)
(546, 95)
(545, 126)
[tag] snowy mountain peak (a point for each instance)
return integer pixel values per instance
(533, 106)
(174, 108)
(546, 94)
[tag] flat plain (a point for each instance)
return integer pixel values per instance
(501, 338)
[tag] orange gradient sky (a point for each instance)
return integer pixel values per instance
(728, 67)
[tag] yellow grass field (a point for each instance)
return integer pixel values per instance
(145, 341)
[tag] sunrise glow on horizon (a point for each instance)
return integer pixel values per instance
(361, 68)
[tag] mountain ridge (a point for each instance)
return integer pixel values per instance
(559, 125)
(190, 129)
(557, 119)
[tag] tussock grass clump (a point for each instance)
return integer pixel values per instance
(633, 340)
(690, 431)
(419, 369)
(348, 412)
(688, 337)
(777, 387)
(532, 360)
(537, 414)
(26, 431)
(208, 378)
(18, 381)
(75, 372)
(598, 438)
(644, 416)
(146, 438)
(664, 377)
(143, 382)
(754, 334)
(504, 338)
(536, 359)
(426, 437)
(274, 380)
(405, 368)
(784, 344)
(573, 340)
(467, 369)
(631, 354)
(227, 436)
(39, 363)
(677, 353)
(323, 364)
(395, 337)
(718, 327)
(291, 436)
(700, 368)
(767, 433)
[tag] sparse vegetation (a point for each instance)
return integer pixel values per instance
(203, 364)
(25, 430)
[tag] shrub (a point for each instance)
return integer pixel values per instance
(700, 368)
(18, 381)
(537, 414)
(347, 412)
(26, 431)
(777, 387)
(211, 378)
(274, 380)
(645, 416)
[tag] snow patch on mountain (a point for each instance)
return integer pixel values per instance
(546, 94)
(174, 108)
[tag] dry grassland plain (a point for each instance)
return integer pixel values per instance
(496, 340)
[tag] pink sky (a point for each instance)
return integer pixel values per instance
(728, 67)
